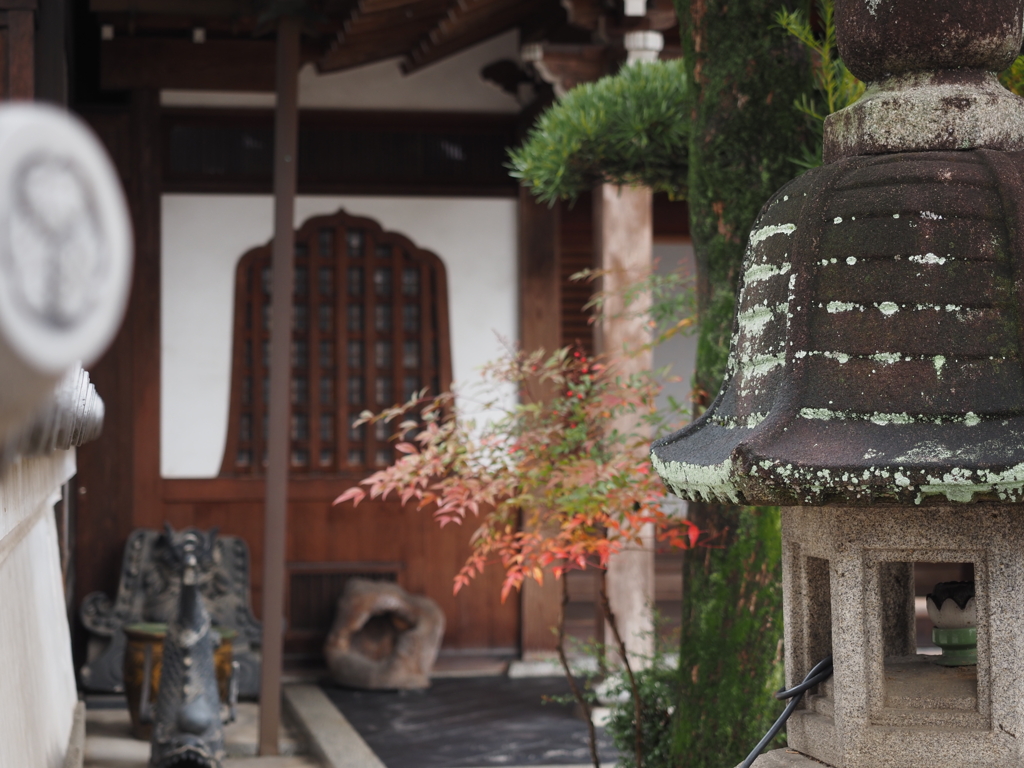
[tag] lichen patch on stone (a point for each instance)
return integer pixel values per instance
(760, 272)
(887, 357)
(928, 258)
(754, 320)
(834, 307)
(714, 482)
(774, 229)
(739, 422)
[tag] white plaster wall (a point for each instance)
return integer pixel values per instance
(453, 84)
(203, 236)
(680, 351)
(37, 687)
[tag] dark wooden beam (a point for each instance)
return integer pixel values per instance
(197, 8)
(540, 303)
(105, 466)
(375, 31)
(565, 66)
(586, 14)
(376, 6)
(144, 318)
(346, 56)
(119, 485)
(404, 34)
(224, 65)
(51, 61)
(363, 20)
(661, 15)
(465, 27)
(21, 62)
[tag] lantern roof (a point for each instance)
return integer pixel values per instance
(877, 347)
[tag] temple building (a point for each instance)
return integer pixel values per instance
(417, 258)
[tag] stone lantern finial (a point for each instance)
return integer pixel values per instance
(930, 68)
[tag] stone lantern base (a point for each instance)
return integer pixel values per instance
(785, 758)
(849, 591)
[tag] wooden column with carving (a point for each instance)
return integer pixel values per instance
(540, 327)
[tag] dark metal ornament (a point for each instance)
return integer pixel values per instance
(877, 347)
(187, 729)
(148, 592)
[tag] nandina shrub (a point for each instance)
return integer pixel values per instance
(552, 484)
(561, 481)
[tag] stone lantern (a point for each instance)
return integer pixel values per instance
(876, 391)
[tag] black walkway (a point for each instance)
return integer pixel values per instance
(467, 722)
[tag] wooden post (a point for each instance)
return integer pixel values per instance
(282, 282)
(51, 61)
(623, 234)
(21, 61)
(540, 327)
(144, 311)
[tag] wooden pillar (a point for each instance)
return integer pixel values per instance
(20, 64)
(540, 327)
(118, 482)
(51, 64)
(623, 236)
(144, 318)
(282, 282)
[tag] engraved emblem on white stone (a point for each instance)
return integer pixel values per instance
(65, 254)
(56, 259)
(65, 243)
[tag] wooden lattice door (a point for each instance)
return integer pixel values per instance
(370, 328)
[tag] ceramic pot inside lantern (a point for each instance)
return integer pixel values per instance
(952, 607)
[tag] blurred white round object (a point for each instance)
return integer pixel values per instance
(65, 252)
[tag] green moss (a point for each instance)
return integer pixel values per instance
(731, 649)
(713, 339)
(746, 74)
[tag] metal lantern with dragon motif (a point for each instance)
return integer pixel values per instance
(876, 391)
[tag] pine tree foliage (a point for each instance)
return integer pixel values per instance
(628, 128)
(835, 87)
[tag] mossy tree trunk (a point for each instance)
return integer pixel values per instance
(745, 74)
